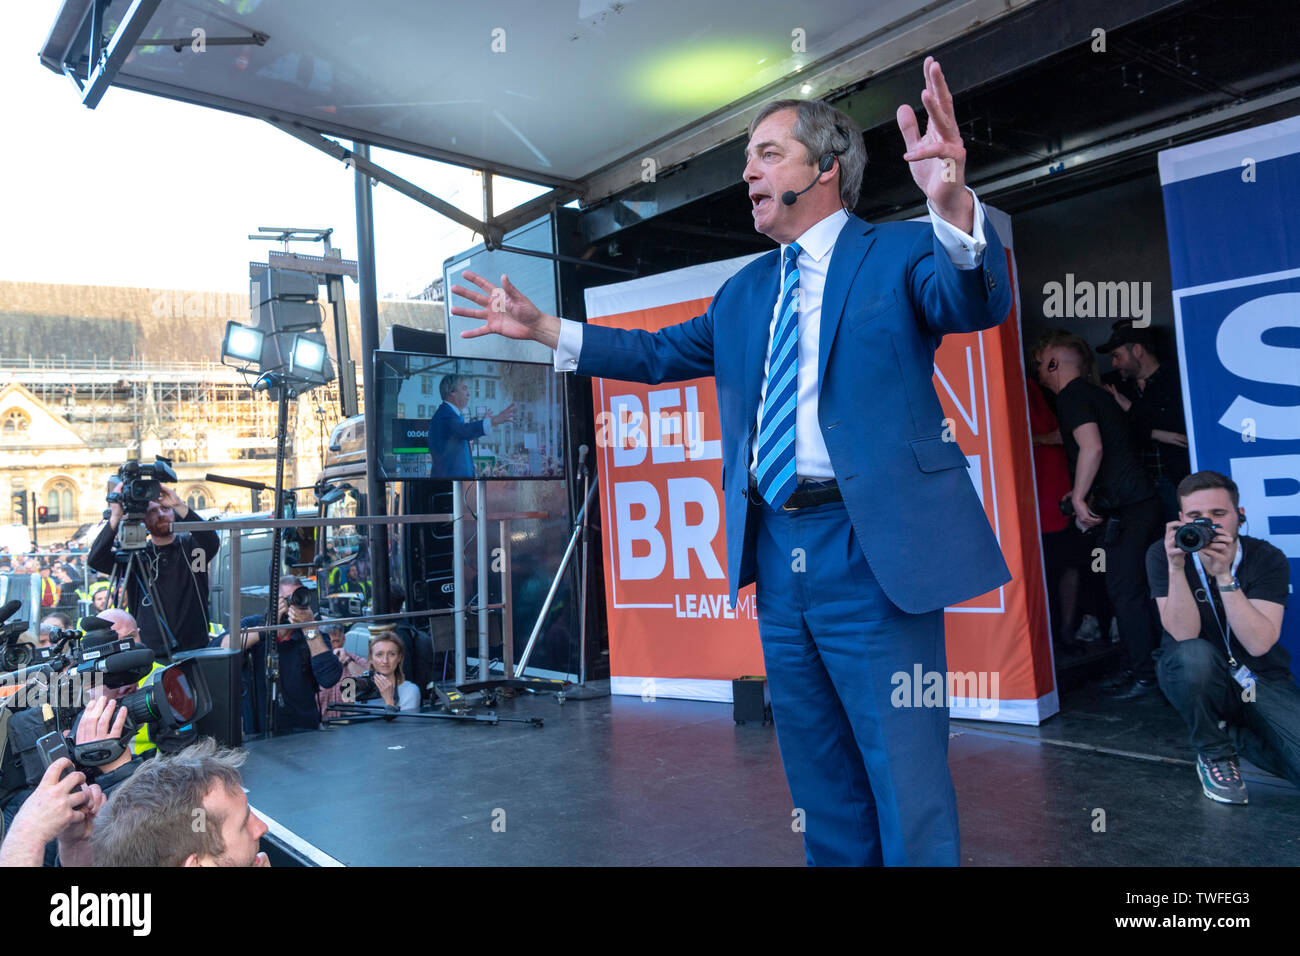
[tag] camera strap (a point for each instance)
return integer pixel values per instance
(1203, 594)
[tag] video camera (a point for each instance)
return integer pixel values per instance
(141, 484)
(13, 652)
(49, 697)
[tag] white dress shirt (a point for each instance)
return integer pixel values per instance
(812, 460)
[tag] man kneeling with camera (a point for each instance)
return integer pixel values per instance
(1221, 597)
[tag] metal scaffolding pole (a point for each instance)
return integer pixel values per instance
(377, 505)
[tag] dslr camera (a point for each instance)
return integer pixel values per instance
(141, 484)
(1195, 535)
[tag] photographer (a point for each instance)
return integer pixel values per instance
(1110, 492)
(177, 566)
(307, 664)
(1220, 663)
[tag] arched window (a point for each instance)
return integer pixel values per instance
(198, 498)
(61, 499)
(15, 423)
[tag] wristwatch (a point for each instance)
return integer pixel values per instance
(1234, 586)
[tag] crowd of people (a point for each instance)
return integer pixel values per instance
(128, 810)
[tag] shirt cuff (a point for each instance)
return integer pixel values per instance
(487, 425)
(569, 346)
(965, 251)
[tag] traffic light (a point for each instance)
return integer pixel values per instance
(43, 515)
(19, 500)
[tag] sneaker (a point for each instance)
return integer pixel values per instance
(1221, 780)
(1089, 630)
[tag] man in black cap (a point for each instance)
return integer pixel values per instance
(1155, 409)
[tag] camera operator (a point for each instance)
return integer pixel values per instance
(150, 819)
(178, 567)
(1110, 492)
(1220, 663)
(307, 664)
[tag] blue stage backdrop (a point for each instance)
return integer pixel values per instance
(1231, 207)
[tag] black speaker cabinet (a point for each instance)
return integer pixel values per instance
(750, 700)
(220, 668)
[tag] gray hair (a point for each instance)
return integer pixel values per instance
(823, 129)
(448, 385)
(149, 819)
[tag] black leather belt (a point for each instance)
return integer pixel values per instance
(807, 493)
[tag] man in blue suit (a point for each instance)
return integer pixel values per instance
(450, 434)
(846, 500)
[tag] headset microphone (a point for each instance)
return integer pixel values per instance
(824, 165)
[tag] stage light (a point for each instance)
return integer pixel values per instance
(309, 362)
(241, 343)
(308, 356)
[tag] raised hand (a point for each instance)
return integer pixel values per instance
(505, 311)
(938, 158)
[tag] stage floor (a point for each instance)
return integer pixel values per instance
(622, 782)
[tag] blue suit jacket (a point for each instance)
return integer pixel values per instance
(891, 294)
(449, 438)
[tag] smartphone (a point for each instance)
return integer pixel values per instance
(51, 747)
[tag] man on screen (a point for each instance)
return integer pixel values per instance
(450, 434)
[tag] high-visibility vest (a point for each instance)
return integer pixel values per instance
(49, 592)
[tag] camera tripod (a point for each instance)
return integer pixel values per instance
(129, 561)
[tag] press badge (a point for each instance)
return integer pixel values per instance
(1244, 677)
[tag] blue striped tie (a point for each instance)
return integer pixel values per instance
(775, 472)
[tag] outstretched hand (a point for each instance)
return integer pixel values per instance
(505, 311)
(938, 158)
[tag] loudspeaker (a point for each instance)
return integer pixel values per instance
(406, 339)
(220, 668)
(750, 700)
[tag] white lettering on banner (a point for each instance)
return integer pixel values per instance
(697, 449)
(693, 537)
(716, 606)
(662, 453)
(661, 430)
(630, 530)
(1243, 352)
(1250, 474)
(628, 415)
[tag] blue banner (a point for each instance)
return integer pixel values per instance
(1234, 248)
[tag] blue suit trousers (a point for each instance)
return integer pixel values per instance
(865, 765)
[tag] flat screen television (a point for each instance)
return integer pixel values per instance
(447, 418)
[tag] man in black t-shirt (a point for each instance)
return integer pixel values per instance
(176, 566)
(1220, 663)
(1110, 495)
(1153, 401)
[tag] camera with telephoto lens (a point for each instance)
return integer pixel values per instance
(141, 484)
(169, 699)
(1195, 535)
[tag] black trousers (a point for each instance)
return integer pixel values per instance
(1136, 526)
(1194, 675)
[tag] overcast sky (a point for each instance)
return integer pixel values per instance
(143, 191)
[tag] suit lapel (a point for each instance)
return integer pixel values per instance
(758, 319)
(855, 240)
